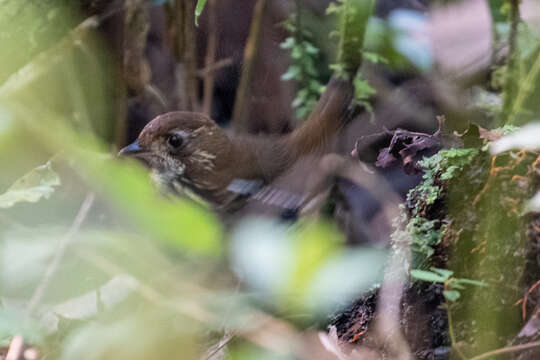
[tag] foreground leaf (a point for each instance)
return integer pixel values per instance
(427, 276)
(38, 183)
(198, 10)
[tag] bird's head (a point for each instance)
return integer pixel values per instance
(183, 148)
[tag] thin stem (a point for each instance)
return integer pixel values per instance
(210, 58)
(53, 266)
(190, 56)
(507, 349)
(241, 105)
(526, 88)
(451, 329)
(452, 336)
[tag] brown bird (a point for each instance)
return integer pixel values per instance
(189, 150)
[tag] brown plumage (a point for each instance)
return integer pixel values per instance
(190, 150)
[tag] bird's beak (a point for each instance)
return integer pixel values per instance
(132, 149)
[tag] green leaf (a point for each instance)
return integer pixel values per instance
(292, 73)
(443, 272)
(198, 10)
(353, 23)
(451, 295)
(288, 43)
(13, 322)
(471, 282)
(427, 276)
(178, 222)
(32, 187)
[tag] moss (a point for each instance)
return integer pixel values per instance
(443, 166)
(468, 216)
(422, 225)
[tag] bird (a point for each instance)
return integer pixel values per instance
(187, 151)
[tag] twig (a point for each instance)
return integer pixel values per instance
(157, 95)
(59, 253)
(506, 350)
(215, 66)
(222, 343)
(15, 348)
(241, 104)
(210, 58)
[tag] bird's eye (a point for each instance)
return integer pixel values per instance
(175, 141)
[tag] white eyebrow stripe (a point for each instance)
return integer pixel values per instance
(180, 133)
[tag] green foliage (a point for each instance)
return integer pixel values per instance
(452, 285)
(363, 92)
(35, 185)
(353, 19)
(424, 233)
(14, 322)
(442, 166)
(198, 10)
(303, 268)
(518, 77)
(177, 222)
(27, 29)
(303, 68)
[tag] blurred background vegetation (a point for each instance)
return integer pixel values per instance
(96, 263)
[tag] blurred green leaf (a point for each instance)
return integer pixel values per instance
(427, 276)
(451, 295)
(314, 245)
(178, 222)
(85, 306)
(303, 267)
(247, 351)
(148, 335)
(32, 187)
(127, 186)
(345, 276)
(354, 16)
(13, 322)
(443, 272)
(198, 10)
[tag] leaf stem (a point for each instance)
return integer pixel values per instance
(451, 329)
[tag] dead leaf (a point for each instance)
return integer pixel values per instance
(405, 145)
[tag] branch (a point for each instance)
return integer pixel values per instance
(210, 58)
(241, 104)
(189, 56)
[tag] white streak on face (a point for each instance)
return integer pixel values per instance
(205, 159)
